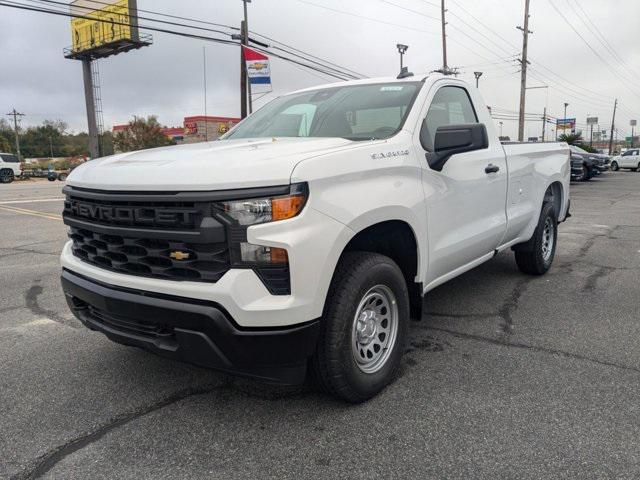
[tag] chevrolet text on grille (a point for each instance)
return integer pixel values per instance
(161, 216)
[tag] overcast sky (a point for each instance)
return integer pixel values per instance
(165, 79)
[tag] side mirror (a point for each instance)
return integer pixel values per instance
(453, 139)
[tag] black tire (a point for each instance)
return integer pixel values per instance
(6, 176)
(614, 166)
(62, 177)
(531, 257)
(584, 176)
(334, 364)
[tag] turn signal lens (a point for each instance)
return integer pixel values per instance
(286, 207)
(263, 210)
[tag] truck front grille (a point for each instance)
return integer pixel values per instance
(152, 258)
(151, 235)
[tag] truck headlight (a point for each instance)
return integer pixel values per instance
(262, 210)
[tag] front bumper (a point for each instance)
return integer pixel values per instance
(194, 331)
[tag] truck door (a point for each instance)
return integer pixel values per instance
(630, 159)
(466, 199)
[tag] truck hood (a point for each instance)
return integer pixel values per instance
(205, 166)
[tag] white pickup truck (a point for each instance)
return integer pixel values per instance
(308, 235)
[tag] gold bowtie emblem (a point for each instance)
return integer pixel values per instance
(177, 255)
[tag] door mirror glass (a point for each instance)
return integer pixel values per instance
(453, 139)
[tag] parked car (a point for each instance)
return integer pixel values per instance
(308, 235)
(9, 167)
(629, 159)
(586, 165)
(582, 165)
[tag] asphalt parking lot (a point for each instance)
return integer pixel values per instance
(506, 376)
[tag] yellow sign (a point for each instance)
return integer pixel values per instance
(108, 24)
(222, 128)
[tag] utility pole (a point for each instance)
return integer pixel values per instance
(477, 75)
(243, 74)
(204, 80)
(445, 67)
(523, 71)
(246, 42)
(501, 123)
(89, 99)
(613, 126)
(15, 116)
(544, 123)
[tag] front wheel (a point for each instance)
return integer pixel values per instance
(62, 177)
(584, 176)
(6, 176)
(536, 256)
(614, 166)
(364, 327)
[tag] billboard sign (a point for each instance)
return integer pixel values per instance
(258, 67)
(103, 28)
(592, 120)
(566, 124)
(633, 123)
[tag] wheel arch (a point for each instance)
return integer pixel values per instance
(555, 195)
(397, 240)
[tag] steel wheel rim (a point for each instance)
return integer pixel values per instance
(547, 239)
(375, 329)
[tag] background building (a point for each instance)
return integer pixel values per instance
(202, 128)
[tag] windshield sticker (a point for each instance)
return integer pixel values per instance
(397, 153)
(389, 88)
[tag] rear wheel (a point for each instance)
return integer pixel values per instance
(614, 166)
(6, 176)
(536, 256)
(62, 177)
(364, 326)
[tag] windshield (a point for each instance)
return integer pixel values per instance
(355, 112)
(578, 150)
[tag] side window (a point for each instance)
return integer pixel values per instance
(9, 158)
(628, 153)
(450, 106)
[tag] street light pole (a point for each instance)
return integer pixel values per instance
(564, 126)
(402, 49)
(501, 123)
(477, 75)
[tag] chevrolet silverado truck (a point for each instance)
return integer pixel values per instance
(304, 239)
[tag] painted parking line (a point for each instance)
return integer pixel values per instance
(35, 213)
(31, 200)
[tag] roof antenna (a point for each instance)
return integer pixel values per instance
(404, 71)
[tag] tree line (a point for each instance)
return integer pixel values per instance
(53, 139)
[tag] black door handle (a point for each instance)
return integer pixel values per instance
(491, 168)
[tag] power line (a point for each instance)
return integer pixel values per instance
(91, 9)
(371, 19)
(595, 52)
(410, 10)
(11, 4)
